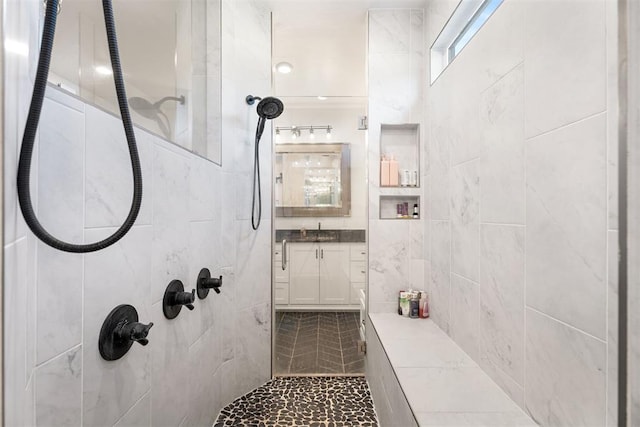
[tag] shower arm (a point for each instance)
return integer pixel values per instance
(180, 99)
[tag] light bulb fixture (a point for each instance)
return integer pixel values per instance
(296, 131)
(322, 98)
(284, 67)
(103, 70)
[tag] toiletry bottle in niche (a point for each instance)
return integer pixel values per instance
(405, 178)
(393, 172)
(384, 172)
(414, 178)
(405, 210)
(399, 209)
(415, 211)
(424, 305)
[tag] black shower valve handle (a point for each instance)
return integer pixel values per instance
(134, 331)
(214, 283)
(185, 298)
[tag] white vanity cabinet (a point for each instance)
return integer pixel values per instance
(319, 275)
(281, 276)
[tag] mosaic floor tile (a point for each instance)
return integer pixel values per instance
(303, 401)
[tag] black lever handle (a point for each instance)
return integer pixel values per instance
(206, 282)
(175, 297)
(134, 331)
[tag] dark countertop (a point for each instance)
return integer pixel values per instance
(325, 236)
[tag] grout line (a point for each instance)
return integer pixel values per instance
(502, 224)
(566, 125)
(465, 278)
(464, 162)
(62, 353)
(567, 325)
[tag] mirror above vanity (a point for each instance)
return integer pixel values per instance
(312, 180)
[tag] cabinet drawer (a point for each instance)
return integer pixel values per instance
(358, 272)
(281, 293)
(354, 297)
(359, 252)
(281, 275)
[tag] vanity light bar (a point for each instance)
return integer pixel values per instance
(295, 130)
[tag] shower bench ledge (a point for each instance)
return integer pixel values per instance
(420, 377)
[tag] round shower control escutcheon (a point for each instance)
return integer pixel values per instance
(120, 330)
(175, 297)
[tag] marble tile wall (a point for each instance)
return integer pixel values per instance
(194, 214)
(522, 197)
(396, 247)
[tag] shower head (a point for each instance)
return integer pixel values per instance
(270, 108)
(147, 109)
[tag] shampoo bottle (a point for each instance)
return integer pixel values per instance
(384, 172)
(393, 172)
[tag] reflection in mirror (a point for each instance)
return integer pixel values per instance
(312, 180)
(170, 52)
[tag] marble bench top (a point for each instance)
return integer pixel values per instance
(442, 384)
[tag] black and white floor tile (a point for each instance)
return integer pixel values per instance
(317, 343)
(303, 401)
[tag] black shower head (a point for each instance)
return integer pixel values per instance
(270, 108)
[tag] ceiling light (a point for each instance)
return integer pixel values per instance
(284, 67)
(103, 71)
(322, 98)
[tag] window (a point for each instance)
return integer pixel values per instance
(463, 24)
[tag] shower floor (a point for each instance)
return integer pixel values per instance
(304, 401)
(317, 343)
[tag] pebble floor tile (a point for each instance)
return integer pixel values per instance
(303, 401)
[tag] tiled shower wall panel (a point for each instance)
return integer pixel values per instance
(523, 203)
(396, 88)
(194, 214)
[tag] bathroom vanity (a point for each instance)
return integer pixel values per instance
(319, 269)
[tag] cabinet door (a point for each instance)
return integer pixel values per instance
(303, 273)
(334, 273)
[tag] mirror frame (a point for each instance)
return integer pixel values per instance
(345, 179)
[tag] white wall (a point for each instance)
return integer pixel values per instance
(344, 121)
(396, 96)
(195, 214)
(523, 204)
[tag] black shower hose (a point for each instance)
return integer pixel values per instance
(255, 222)
(26, 152)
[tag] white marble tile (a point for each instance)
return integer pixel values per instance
(139, 415)
(392, 95)
(436, 351)
(18, 402)
(59, 390)
(204, 190)
(60, 178)
(116, 275)
(440, 285)
(253, 262)
(565, 374)
(612, 330)
(170, 220)
(204, 392)
(253, 346)
(514, 390)
(416, 234)
(566, 217)
(462, 389)
(225, 314)
(495, 50)
(502, 272)
(229, 225)
(109, 181)
(440, 183)
(565, 63)
(613, 17)
(389, 31)
(475, 419)
(464, 325)
(226, 374)
(465, 221)
(389, 268)
(502, 162)
(169, 364)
